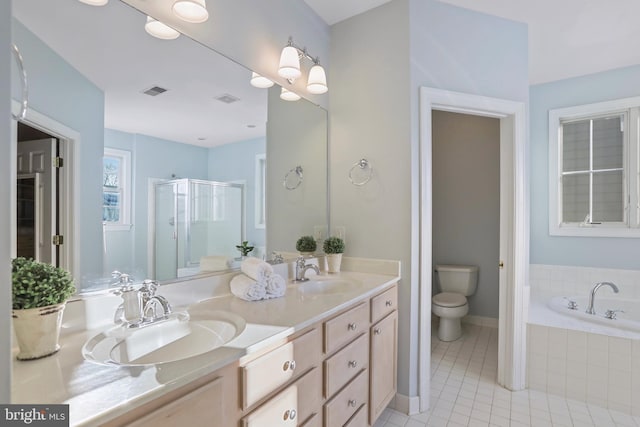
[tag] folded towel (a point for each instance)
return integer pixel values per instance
(214, 263)
(246, 288)
(257, 269)
(276, 286)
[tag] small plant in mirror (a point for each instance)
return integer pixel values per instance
(244, 248)
(306, 244)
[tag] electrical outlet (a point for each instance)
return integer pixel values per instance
(341, 232)
(320, 232)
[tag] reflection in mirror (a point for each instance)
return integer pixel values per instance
(184, 118)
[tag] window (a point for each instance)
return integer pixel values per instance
(116, 189)
(593, 170)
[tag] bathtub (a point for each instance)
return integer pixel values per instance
(627, 319)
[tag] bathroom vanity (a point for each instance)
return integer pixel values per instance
(323, 355)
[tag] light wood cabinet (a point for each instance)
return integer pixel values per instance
(340, 368)
(341, 407)
(383, 364)
(359, 419)
(345, 327)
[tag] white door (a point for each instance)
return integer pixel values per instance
(37, 157)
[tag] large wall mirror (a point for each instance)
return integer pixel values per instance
(175, 157)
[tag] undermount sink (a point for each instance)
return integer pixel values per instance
(180, 337)
(325, 286)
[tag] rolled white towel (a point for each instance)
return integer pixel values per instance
(257, 269)
(214, 263)
(246, 288)
(276, 286)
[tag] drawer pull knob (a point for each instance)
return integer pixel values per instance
(289, 414)
(388, 303)
(352, 326)
(289, 365)
(353, 364)
(352, 403)
(377, 331)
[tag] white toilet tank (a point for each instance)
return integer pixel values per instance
(460, 279)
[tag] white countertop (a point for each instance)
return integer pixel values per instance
(97, 393)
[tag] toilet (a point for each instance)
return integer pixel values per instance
(456, 283)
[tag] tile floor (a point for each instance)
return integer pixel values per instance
(464, 392)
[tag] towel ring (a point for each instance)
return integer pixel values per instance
(298, 173)
(362, 164)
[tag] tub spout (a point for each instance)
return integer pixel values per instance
(592, 295)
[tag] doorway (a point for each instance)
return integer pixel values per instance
(514, 231)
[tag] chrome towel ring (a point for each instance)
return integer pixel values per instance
(361, 165)
(296, 175)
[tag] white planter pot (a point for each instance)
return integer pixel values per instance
(333, 262)
(37, 330)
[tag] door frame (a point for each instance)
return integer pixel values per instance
(69, 185)
(514, 295)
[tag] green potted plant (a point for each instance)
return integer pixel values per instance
(39, 293)
(333, 249)
(306, 245)
(244, 248)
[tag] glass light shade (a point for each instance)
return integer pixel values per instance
(95, 2)
(317, 83)
(259, 81)
(289, 63)
(287, 95)
(160, 30)
(194, 11)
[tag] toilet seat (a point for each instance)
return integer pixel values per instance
(449, 299)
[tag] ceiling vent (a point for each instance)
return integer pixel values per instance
(227, 99)
(154, 91)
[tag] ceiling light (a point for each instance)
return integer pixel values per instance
(95, 2)
(317, 83)
(289, 63)
(259, 81)
(194, 11)
(160, 30)
(287, 95)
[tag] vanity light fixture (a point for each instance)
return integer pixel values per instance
(95, 2)
(289, 68)
(194, 11)
(287, 95)
(259, 81)
(160, 30)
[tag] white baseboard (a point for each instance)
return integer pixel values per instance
(489, 322)
(405, 404)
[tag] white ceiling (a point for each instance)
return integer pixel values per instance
(567, 38)
(117, 55)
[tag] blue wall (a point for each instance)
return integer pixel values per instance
(59, 91)
(601, 252)
(236, 161)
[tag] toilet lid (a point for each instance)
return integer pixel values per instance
(449, 299)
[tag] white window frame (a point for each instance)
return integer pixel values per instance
(260, 191)
(125, 187)
(631, 225)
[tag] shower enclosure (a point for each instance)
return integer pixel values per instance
(195, 218)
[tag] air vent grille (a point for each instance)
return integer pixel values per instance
(227, 99)
(154, 91)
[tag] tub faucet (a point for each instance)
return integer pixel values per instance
(301, 269)
(592, 295)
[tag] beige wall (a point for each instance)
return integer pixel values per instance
(466, 200)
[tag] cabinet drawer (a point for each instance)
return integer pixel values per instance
(268, 372)
(383, 304)
(359, 419)
(344, 405)
(345, 327)
(281, 410)
(295, 403)
(345, 364)
(314, 421)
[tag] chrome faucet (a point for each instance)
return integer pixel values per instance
(301, 269)
(140, 307)
(592, 295)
